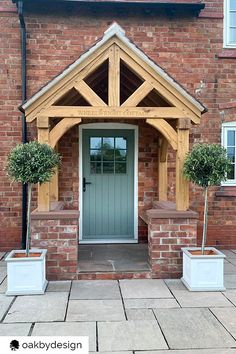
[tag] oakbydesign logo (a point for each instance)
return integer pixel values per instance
(14, 345)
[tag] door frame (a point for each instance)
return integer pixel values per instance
(115, 126)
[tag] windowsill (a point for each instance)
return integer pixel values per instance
(227, 53)
(226, 191)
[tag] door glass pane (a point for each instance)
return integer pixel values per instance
(95, 167)
(231, 153)
(108, 155)
(231, 138)
(108, 143)
(121, 143)
(95, 143)
(120, 167)
(120, 155)
(108, 167)
(95, 155)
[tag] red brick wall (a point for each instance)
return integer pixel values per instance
(189, 49)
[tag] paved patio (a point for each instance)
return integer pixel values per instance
(129, 316)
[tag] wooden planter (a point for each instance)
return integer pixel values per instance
(26, 275)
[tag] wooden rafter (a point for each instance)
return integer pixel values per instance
(166, 129)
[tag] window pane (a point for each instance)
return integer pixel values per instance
(232, 19)
(232, 4)
(231, 138)
(231, 153)
(108, 167)
(95, 155)
(120, 143)
(120, 167)
(232, 35)
(95, 167)
(231, 174)
(120, 155)
(95, 143)
(108, 143)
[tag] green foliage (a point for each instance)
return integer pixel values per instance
(207, 165)
(32, 163)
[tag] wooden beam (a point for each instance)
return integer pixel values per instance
(182, 185)
(43, 189)
(114, 112)
(61, 128)
(162, 170)
(89, 94)
(114, 77)
(53, 184)
(166, 129)
(138, 95)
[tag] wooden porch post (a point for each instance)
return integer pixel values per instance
(162, 166)
(43, 189)
(182, 185)
(53, 184)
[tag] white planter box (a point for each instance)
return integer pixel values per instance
(203, 272)
(26, 276)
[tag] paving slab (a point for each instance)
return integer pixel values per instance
(232, 260)
(192, 329)
(227, 316)
(140, 314)
(5, 302)
(68, 329)
(230, 281)
(201, 299)
(3, 286)
(63, 285)
(95, 290)
(144, 288)
(130, 335)
(38, 308)
(191, 351)
(229, 267)
(2, 255)
(14, 329)
(3, 264)
(175, 284)
(231, 295)
(229, 253)
(95, 310)
(3, 273)
(150, 303)
(126, 352)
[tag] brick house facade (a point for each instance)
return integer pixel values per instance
(188, 45)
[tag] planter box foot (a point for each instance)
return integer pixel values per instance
(190, 288)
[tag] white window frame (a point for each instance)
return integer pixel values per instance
(226, 25)
(225, 128)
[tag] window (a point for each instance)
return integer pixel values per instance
(108, 155)
(229, 142)
(230, 24)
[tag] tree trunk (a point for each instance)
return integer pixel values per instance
(28, 238)
(205, 220)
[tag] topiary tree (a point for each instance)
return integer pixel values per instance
(206, 165)
(31, 163)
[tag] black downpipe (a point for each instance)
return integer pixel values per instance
(24, 126)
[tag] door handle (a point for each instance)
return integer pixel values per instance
(84, 184)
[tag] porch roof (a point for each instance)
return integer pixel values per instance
(117, 31)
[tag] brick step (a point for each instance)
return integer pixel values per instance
(114, 275)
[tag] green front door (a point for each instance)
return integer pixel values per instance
(108, 185)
